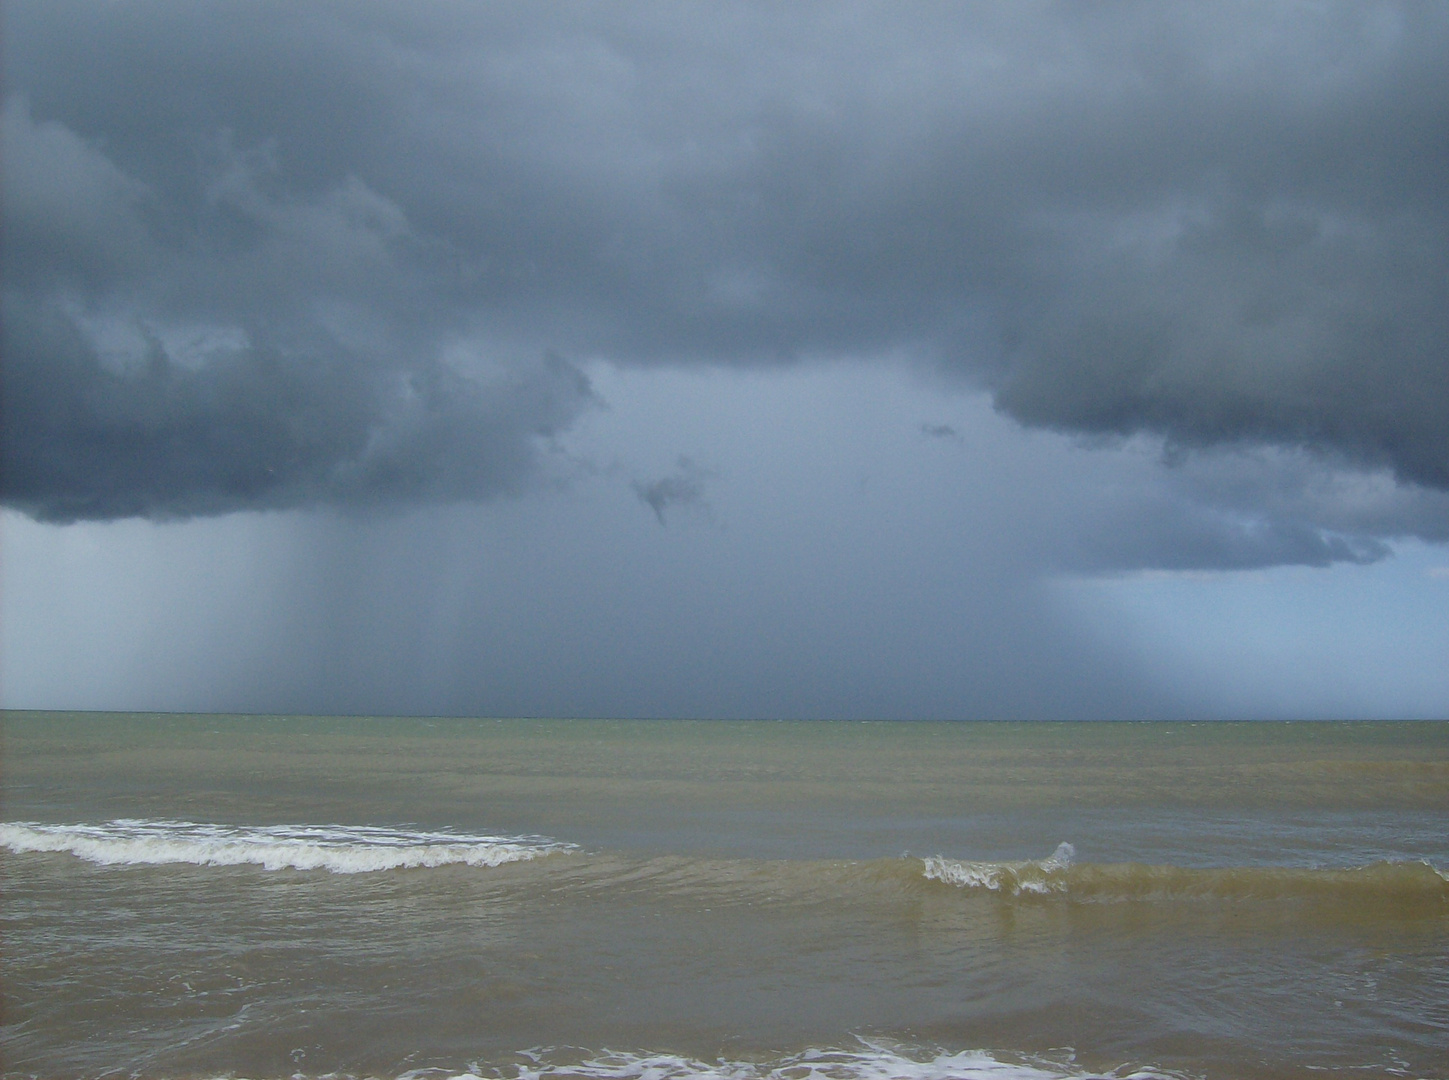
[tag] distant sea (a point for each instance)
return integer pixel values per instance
(266, 897)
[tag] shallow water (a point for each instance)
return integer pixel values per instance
(265, 897)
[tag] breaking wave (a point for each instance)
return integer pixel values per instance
(356, 849)
(871, 1061)
(342, 849)
(1060, 875)
(1046, 876)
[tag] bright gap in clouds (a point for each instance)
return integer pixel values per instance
(842, 541)
(1288, 642)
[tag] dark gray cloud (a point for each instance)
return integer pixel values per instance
(147, 378)
(1242, 507)
(255, 429)
(1222, 227)
(1286, 325)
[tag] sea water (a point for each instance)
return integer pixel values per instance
(206, 896)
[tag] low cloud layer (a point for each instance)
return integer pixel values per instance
(261, 255)
(255, 429)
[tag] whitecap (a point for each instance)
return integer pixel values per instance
(341, 849)
(1043, 876)
(871, 1061)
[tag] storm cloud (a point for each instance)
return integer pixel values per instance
(174, 379)
(275, 255)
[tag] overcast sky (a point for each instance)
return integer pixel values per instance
(862, 360)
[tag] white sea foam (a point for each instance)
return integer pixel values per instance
(342, 849)
(1044, 876)
(870, 1062)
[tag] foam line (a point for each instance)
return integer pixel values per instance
(341, 849)
(871, 1061)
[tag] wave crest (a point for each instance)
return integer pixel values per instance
(341, 849)
(1045, 876)
(1401, 882)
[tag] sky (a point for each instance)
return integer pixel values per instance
(1014, 361)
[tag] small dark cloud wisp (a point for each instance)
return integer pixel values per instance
(682, 488)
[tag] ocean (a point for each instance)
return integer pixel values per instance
(265, 897)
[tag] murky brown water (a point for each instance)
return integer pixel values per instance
(264, 897)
